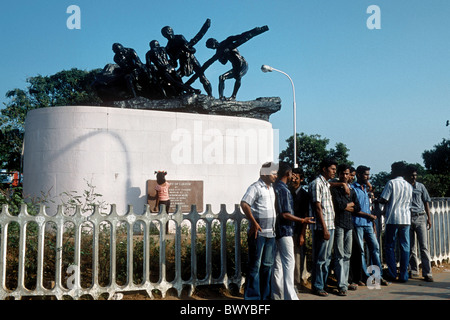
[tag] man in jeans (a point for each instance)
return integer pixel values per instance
(323, 235)
(258, 205)
(344, 205)
(420, 223)
(364, 224)
(397, 196)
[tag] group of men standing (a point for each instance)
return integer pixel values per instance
(342, 215)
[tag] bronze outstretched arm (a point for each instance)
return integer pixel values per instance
(200, 34)
(236, 41)
(230, 42)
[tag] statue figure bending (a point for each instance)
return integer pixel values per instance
(131, 67)
(179, 49)
(226, 51)
(157, 60)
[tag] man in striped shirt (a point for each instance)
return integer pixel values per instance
(397, 196)
(323, 235)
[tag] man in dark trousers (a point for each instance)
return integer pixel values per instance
(301, 210)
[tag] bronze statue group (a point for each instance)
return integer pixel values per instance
(161, 76)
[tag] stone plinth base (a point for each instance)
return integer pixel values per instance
(118, 150)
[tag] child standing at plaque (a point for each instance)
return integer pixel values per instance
(162, 191)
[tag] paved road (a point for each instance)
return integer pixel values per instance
(414, 289)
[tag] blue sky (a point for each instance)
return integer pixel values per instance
(384, 93)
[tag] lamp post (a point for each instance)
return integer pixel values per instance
(266, 68)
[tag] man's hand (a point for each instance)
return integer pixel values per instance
(350, 207)
(254, 228)
(346, 188)
(308, 220)
(301, 240)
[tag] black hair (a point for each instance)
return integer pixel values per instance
(410, 169)
(398, 168)
(299, 171)
(160, 177)
(361, 169)
(342, 167)
(327, 162)
(283, 169)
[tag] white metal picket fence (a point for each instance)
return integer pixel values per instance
(439, 234)
(67, 279)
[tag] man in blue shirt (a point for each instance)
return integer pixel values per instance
(283, 287)
(364, 223)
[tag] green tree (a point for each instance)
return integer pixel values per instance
(65, 88)
(311, 149)
(437, 160)
(437, 163)
(379, 180)
(11, 148)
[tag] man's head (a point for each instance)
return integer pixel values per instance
(328, 168)
(212, 43)
(411, 174)
(268, 172)
(398, 169)
(362, 174)
(167, 32)
(298, 175)
(352, 175)
(284, 172)
(343, 171)
(117, 47)
(154, 44)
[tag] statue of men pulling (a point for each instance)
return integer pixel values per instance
(226, 51)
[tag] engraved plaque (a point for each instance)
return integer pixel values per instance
(182, 192)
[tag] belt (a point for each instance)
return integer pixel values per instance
(416, 214)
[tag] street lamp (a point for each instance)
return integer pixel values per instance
(266, 68)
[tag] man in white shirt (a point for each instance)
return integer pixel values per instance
(258, 205)
(397, 196)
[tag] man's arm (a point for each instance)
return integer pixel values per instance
(245, 36)
(200, 34)
(426, 200)
(254, 226)
(427, 210)
(340, 202)
(320, 220)
(365, 215)
(337, 184)
(205, 66)
(291, 217)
